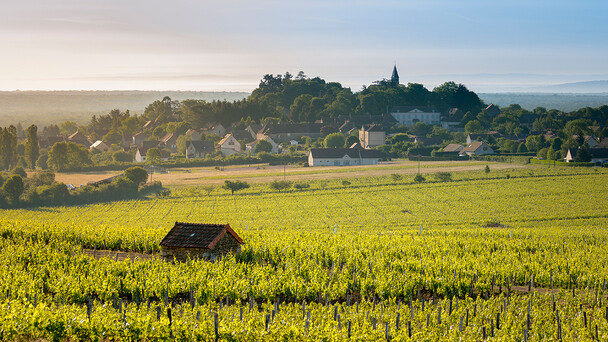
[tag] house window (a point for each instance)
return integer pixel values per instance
(336, 163)
(231, 143)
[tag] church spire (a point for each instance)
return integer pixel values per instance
(395, 76)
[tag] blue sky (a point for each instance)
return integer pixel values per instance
(229, 45)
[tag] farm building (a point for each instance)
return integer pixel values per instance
(197, 240)
(343, 156)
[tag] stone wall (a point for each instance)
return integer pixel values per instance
(227, 244)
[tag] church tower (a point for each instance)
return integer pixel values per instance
(395, 76)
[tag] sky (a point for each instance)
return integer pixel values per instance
(228, 45)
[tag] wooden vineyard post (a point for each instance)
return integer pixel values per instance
(397, 321)
(348, 329)
(216, 325)
(409, 329)
(386, 332)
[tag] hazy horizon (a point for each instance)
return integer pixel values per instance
(230, 45)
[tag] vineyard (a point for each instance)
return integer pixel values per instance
(512, 255)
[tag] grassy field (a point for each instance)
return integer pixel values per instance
(336, 261)
(264, 173)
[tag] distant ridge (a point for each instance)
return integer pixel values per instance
(576, 87)
(45, 107)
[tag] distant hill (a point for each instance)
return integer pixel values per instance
(576, 87)
(561, 101)
(45, 107)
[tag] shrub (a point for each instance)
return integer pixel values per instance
(280, 185)
(301, 185)
(345, 183)
(419, 178)
(396, 177)
(443, 176)
(136, 174)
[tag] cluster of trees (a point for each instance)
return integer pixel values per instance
(12, 153)
(41, 189)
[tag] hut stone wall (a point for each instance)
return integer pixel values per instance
(227, 244)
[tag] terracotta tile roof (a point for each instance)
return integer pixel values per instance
(197, 235)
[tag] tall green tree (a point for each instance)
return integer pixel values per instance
(32, 151)
(8, 147)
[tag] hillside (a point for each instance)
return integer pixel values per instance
(564, 102)
(44, 107)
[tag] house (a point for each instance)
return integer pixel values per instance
(275, 147)
(455, 115)
(371, 136)
(452, 126)
(284, 132)
(229, 145)
(492, 110)
(599, 156)
(347, 128)
(193, 135)
(453, 148)
(254, 129)
(140, 154)
(587, 139)
(100, 145)
(150, 143)
(407, 115)
(149, 125)
(242, 135)
(335, 121)
(169, 142)
(195, 240)
(343, 156)
(214, 129)
(138, 139)
(477, 148)
(428, 141)
(570, 154)
(79, 138)
(603, 143)
(199, 148)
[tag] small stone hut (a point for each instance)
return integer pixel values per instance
(199, 240)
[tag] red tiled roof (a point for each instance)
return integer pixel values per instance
(197, 235)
